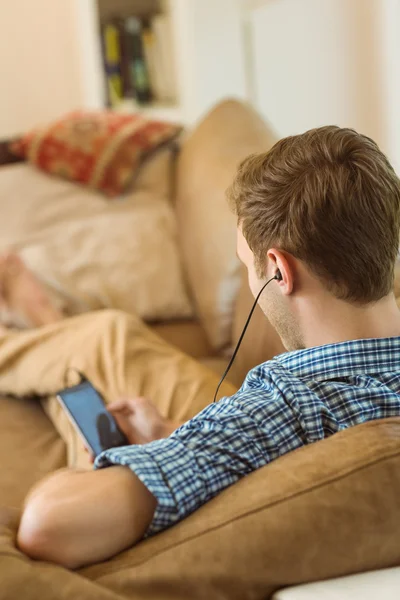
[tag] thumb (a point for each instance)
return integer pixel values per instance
(118, 406)
(123, 423)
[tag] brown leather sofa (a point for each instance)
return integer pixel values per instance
(324, 511)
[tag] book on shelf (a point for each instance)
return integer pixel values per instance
(164, 57)
(138, 60)
(137, 70)
(112, 63)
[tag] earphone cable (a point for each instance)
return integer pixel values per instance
(242, 335)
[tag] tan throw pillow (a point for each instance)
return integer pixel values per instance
(92, 253)
(207, 228)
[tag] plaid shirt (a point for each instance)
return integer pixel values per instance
(297, 398)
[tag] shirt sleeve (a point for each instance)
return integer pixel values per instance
(215, 449)
(194, 464)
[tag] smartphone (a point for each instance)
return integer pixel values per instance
(88, 413)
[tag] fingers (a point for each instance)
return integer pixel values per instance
(118, 406)
(125, 404)
(124, 425)
(91, 457)
(120, 418)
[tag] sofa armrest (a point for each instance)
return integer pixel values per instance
(6, 156)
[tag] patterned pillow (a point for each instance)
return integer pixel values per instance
(102, 150)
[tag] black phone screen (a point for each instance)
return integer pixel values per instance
(88, 411)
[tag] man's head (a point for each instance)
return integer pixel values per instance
(324, 204)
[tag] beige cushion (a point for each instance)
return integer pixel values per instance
(157, 173)
(189, 336)
(91, 252)
(206, 166)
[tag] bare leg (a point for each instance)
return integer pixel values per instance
(24, 302)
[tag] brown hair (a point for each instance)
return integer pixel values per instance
(330, 198)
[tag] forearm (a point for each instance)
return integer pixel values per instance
(75, 518)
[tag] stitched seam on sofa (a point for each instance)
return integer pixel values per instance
(343, 475)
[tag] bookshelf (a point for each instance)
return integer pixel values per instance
(202, 51)
(138, 58)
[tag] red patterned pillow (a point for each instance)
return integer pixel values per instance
(102, 150)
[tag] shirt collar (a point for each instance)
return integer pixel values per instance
(354, 357)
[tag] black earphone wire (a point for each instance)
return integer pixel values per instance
(278, 278)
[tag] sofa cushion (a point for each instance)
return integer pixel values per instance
(101, 149)
(30, 448)
(157, 173)
(207, 229)
(188, 335)
(323, 511)
(91, 253)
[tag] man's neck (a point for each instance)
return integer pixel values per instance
(329, 321)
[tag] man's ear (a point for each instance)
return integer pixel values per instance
(277, 261)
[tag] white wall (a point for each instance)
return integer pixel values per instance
(209, 53)
(41, 69)
(55, 62)
(390, 43)
(37, 81)
(319, 62)
(308, 62)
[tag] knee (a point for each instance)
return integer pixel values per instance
(40, 535)
(118, 323)
(106, 326)
(32, 537)
(113, 315)
(114, 318)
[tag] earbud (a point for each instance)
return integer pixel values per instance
(278, 275)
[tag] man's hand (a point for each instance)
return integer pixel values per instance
(140, 420)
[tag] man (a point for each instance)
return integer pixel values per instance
(322, 211)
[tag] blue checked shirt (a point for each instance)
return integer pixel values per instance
(297, 398)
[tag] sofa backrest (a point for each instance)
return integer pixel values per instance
(207, 228)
